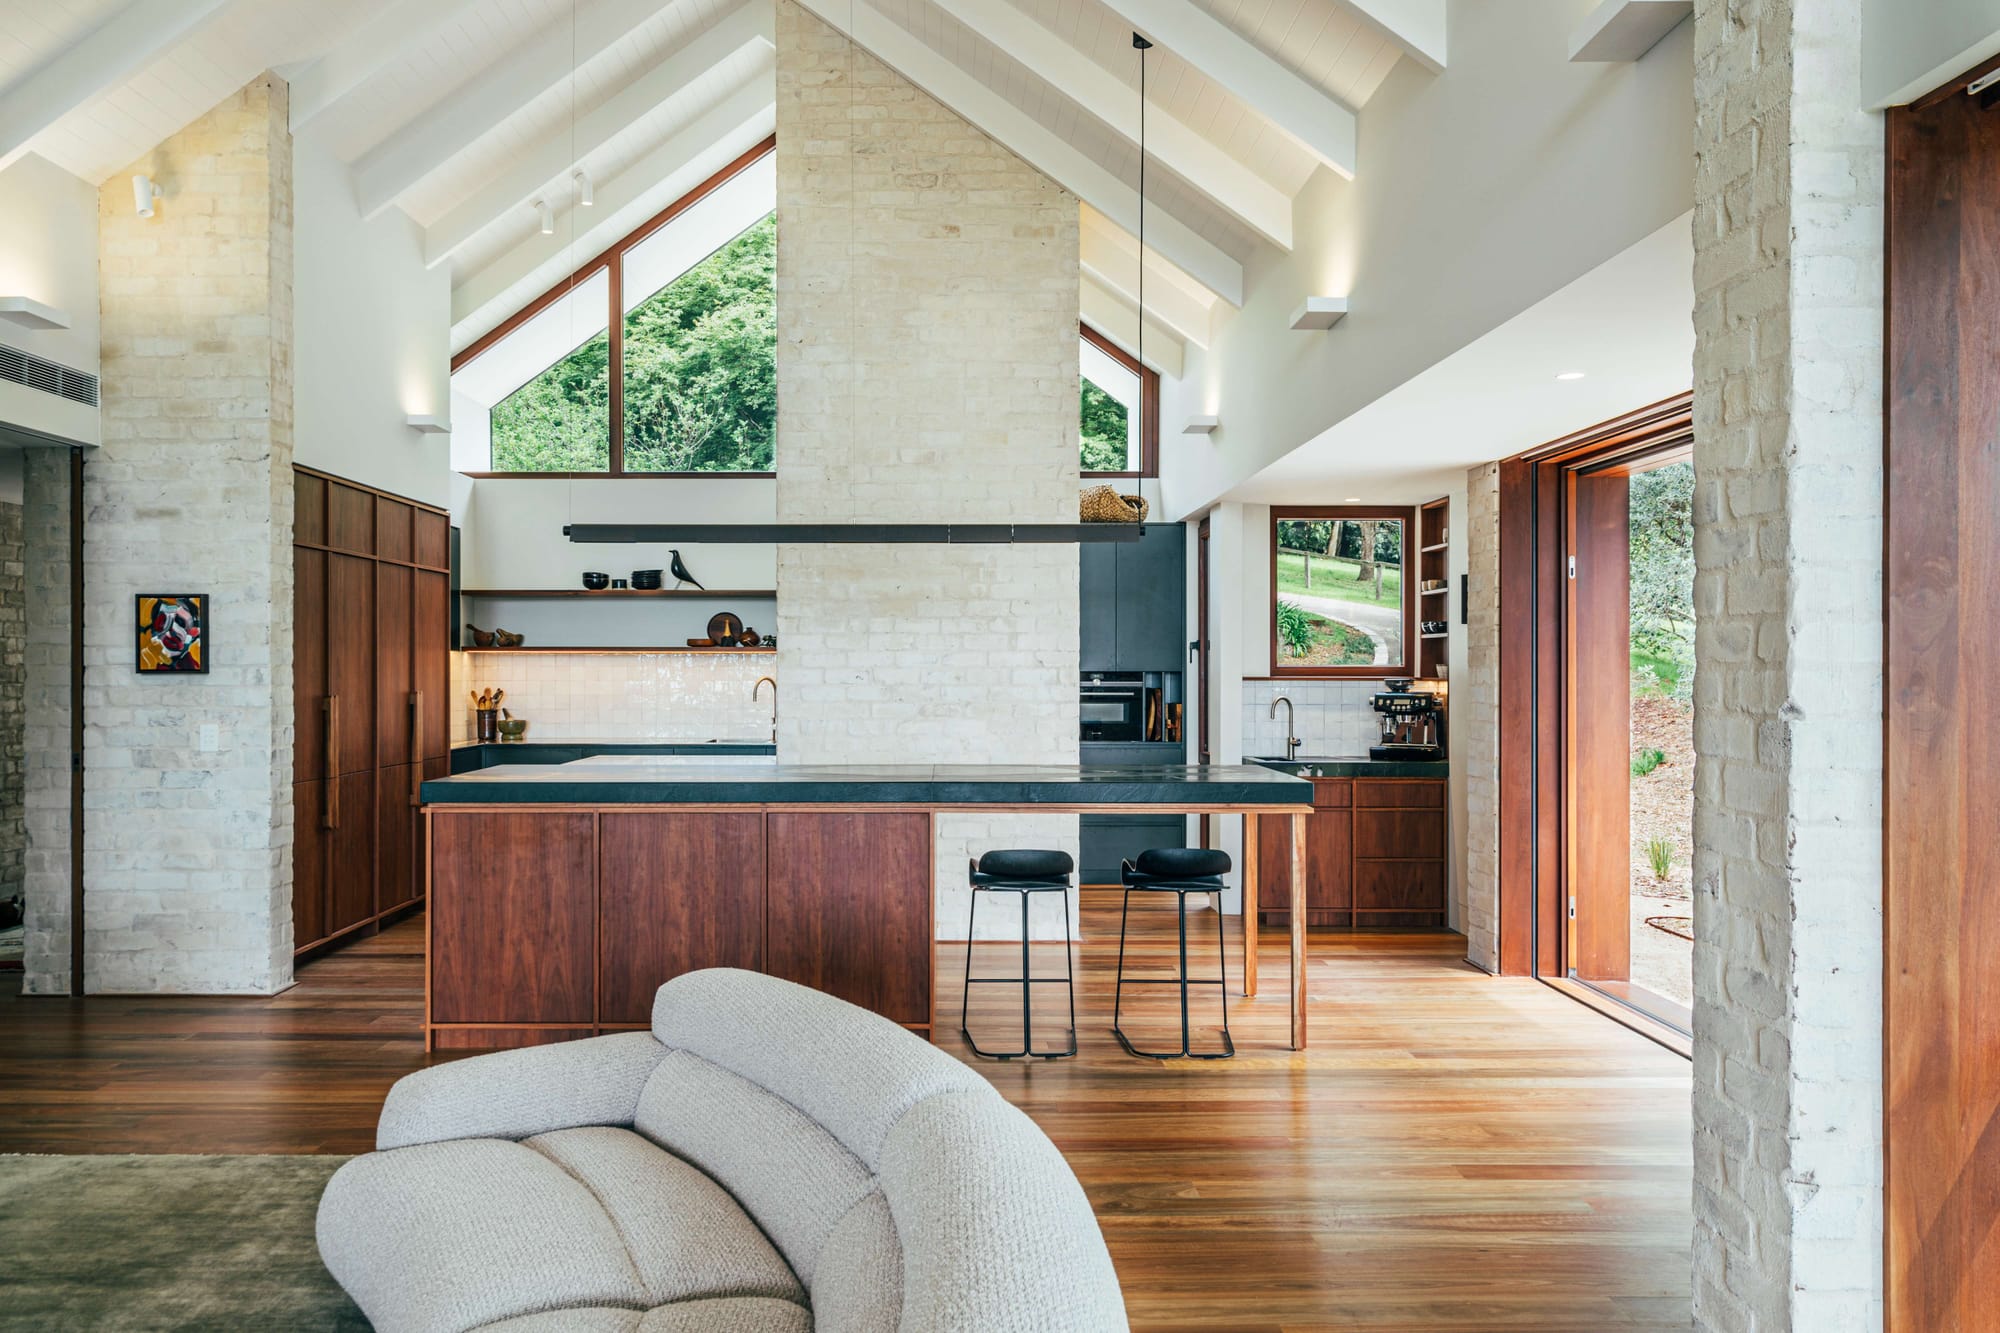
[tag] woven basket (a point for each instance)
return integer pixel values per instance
(1103, 504)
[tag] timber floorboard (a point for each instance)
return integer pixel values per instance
(1451, 1152)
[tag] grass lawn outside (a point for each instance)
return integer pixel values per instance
(1335, 644)
(1333, 577)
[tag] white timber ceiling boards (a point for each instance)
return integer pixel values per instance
(461, 113)
(1623, 30)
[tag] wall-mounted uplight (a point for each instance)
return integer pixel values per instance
(547, 215)
(428, 423)
(585, 195)
(1201, 425)
(1320, 313)
(29, 313)
(1570, 375)
(144, 194)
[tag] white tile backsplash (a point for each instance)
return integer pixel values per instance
(621, 696)
(1333, 716)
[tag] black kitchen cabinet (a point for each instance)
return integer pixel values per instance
(1133, 603)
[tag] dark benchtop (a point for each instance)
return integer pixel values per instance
(1356, 766)
(689, 781)
(561, 750)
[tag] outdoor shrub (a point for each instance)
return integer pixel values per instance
(1646, 761)
(1660, 855)
(1295, 628)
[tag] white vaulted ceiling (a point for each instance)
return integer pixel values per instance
(461, 112)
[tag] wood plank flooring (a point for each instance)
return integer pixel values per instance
(1452, 1152)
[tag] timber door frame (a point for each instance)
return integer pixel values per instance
(1940, 797)
(1541, 807)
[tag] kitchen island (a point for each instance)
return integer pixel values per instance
(563, 895)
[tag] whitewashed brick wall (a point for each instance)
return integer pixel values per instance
(1788, 703)
(187, 853)
(1475, 718)
(927, 367)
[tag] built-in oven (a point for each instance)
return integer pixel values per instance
(1113, 706)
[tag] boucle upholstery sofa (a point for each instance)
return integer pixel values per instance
(767, 1159)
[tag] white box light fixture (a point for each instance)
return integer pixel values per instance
(1320, 312)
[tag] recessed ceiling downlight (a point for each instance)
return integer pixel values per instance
(1570, 375)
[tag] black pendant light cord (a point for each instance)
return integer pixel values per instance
(1141, 45)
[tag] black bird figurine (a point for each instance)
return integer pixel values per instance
(680, 571)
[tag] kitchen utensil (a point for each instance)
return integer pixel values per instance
(618, 583)
(487, 725)
(1398, 684)
(701, 643)
(511, 728)
(595, 581)
(481, 638)
(647, 580)
(725, 627)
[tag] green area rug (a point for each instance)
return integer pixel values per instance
(137, 1244)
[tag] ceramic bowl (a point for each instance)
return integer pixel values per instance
(596, 582)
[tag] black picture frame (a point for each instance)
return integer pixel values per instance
(194, 660)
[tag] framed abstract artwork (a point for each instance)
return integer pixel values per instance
(172, 633)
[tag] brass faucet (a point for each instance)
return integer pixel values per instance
(1291, 726)
(762, 681)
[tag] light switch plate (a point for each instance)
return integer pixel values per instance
(211, 736)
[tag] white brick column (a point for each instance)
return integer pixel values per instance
(187, 868)
(1788, 701)
(927, 371)
(1475, 716)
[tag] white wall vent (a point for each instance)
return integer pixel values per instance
(34, 372)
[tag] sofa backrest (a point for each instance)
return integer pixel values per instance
(899, 1185)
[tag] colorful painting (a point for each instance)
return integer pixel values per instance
(173, 632)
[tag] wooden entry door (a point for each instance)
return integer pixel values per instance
(1598, 734)
(1941, 815)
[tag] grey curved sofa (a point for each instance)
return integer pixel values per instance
(767, 1159)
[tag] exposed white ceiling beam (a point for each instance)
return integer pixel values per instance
(529, 172)
(718, 135)
(1111, 257)
(1112, 315)
(1048, 153)
(1417, 27)
(1199, 161)
(390, 169)
(1619, 31)
(383, 38)
(1313, 119)
(105, 56)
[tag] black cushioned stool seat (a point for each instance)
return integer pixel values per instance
(1181, 863)
(1026, 871)
(1179, 871)
(1022, 863)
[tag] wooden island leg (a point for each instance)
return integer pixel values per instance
(1249, 905)
(1299, 930)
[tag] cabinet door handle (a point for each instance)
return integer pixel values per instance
(330, 816)
(416, 748)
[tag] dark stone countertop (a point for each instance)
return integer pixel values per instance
(671, 780)
(1355, 766)
(471, 756)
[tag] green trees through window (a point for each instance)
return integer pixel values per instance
(1105, 431)
(700, 378)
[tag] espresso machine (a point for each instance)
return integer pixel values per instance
(1412, 723)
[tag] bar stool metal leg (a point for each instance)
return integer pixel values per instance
(1027, 980)
(1183, 981)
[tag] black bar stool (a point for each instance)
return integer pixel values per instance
(1179, 871)
(1026, 872)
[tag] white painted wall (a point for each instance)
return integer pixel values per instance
(513, 529)
(1480, 191)
(372, 337)
(48, 251)
(1909, 47)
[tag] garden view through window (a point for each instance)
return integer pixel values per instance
(1340, 600)
(700, 382)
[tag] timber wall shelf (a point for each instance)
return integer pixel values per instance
(661, 648)
(613, 594)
